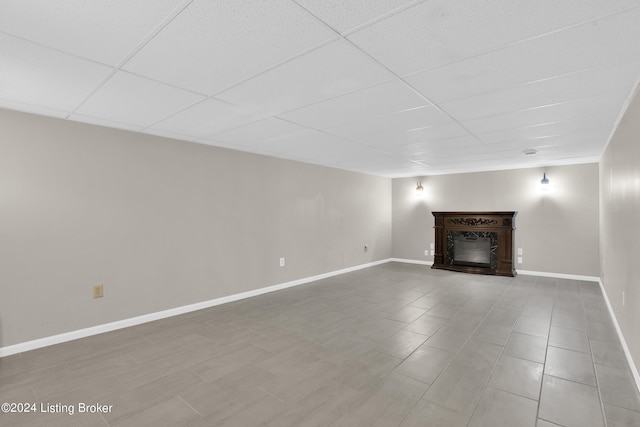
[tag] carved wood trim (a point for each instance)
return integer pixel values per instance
(502, 223)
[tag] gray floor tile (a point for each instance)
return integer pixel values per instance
(449, 339)
(479, 355)
(502, 316)
(620, 417)
(569, 339)
(543, 423)
(339, 352)
(570, 404)
(426, 325)
(608, 353)
(427, 412)
(402, 344)
(518, 376)
(495, 333)
(570, 365)
(388, 405)
(569, 319)
(617, 387)
(458, 388)
(602, 331)
(425, 364)
(407, 314)
(498, 408)
(530, 325)
(527, 347)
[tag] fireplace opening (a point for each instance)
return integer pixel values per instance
(473, 251)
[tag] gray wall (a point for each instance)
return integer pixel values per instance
(557, 229)
(620, 228)
(162, 223)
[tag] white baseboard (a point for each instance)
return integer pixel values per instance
(559, 275)
(125, 323)
(410, 261)
(627, 353)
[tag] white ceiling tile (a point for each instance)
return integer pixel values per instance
(308, 145)
(585, 107)
(215, 44)
(104, 31)
(331, 70)
(256, 132)
(33, 109)
(402, 121)
(169, 134)
(582, 47)
(583, 84)
(379, 100)
(32, 74)
(439, 32)
(547, 75)
(128, 98)
(345, 15)
(449, 147)
(585, 127)
(207, 118)
(402, 137)
(104, 122)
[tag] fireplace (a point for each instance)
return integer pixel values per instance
(469, 249)
(475, 242)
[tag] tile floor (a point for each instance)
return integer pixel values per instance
(392, 345)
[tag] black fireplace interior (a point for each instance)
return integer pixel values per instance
(475, 249)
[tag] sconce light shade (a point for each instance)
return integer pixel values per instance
(419, 188)
(544, 182)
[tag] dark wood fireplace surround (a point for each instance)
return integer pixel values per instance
(500, 223)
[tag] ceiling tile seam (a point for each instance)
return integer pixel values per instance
(55, 49)
(400, 79)
(370, 22)
(521, 41)
(31, 106)
(214, 96)
(557, 76)
(315, 47)
(588, 116)
(332, 97)
(142, 43)
(135, 125)
(583, 98)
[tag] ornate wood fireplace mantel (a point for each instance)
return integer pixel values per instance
(494, 231)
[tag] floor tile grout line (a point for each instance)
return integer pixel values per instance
(593, 362)
(546, 349)
(463, 345)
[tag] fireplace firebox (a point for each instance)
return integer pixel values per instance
(475, 242)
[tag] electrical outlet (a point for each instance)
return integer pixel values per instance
(433, 252)
(426, 252)
(432, 246)
(519, 260)
(519, 251)
(98, 291)
(281, 262)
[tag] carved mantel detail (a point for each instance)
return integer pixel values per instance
(471, 221)
(498, 224)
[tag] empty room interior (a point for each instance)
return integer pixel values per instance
(320, 213)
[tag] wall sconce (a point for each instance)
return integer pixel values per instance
(544, 182)
(419, 188)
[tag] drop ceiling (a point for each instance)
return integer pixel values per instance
(387, 87)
